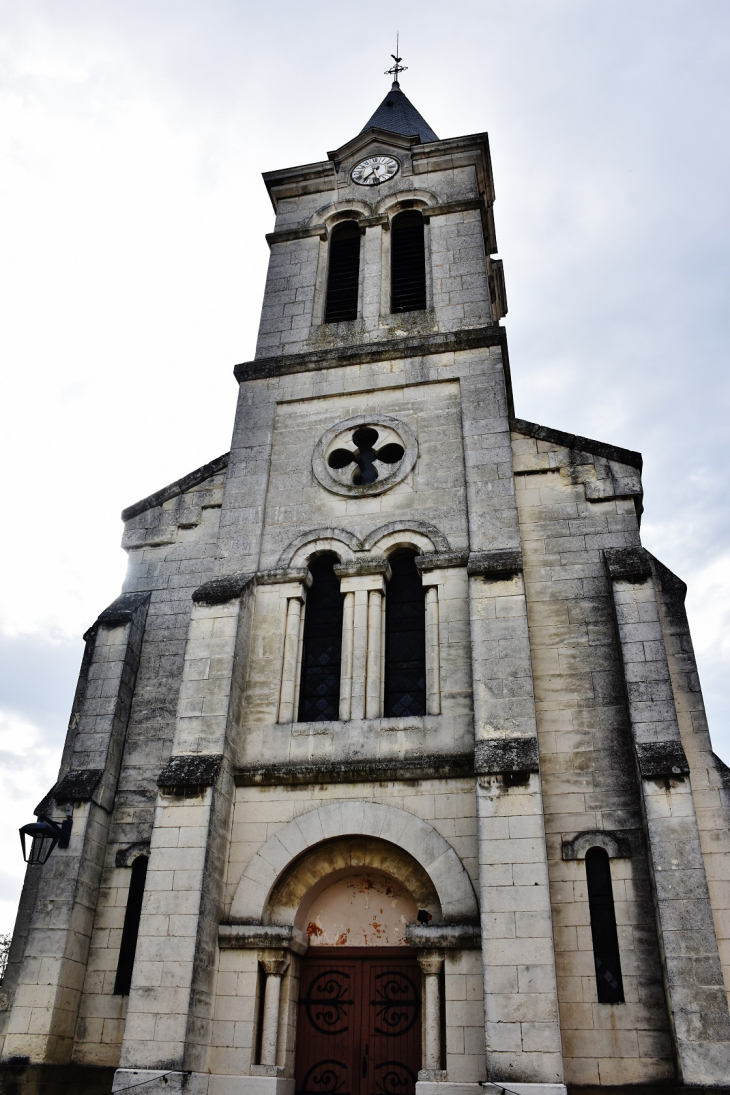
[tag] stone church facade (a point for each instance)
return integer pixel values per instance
(389, 769)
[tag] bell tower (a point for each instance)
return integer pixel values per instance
(395, 165)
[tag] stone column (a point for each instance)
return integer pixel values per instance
(348, 640)
(373, 709)
(362, 579)
(291, 659)
(431, 963)
(433, 653)
(696, 995)
(275, 964)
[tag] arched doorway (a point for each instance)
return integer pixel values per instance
(359, 1009)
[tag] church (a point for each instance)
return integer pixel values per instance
(388, 772)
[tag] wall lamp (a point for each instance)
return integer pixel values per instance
(45, 835)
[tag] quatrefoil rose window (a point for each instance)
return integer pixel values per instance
(365, 455)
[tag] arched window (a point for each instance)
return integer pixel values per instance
(603, 927)
(343, 273)
(407, 263)
(405, 639)
(319, 691)
(130, 931)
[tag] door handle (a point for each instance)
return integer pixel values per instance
(365, 1061)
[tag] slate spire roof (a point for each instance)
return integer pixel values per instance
(398, 114)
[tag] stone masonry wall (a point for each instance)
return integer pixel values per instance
(171, 552)
(569, 512)
(710, 777)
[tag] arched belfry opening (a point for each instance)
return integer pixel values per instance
(343, 273)
(408, 262)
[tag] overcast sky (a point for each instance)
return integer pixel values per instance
(132, 219)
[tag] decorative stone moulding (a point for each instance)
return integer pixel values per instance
(189, 773)
(628, 564)
(615, 844)
(445, 936)
(126, 856)
(364, 455)
(221, 590)
(506, 756)
(494, 564)
(662, 760)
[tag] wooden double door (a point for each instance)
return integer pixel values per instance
(359, 1022)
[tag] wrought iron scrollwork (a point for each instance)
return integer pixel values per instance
(328, 1001)
(397, 1004)
(326, 1077)
(393, 1078)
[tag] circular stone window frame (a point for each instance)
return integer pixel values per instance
(405, 465)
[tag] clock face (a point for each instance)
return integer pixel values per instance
(374, 170)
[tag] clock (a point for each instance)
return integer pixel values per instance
(374, 170)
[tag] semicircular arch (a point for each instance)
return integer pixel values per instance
(326, 862)
(330, 215)
(392, 204)
(343, 543)
(273, 862)
(418, 533)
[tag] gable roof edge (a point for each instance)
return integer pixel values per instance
(178, 487)
(575, 441)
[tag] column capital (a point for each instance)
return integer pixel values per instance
(361, 568)
(430, 962)
(358, 583)
(274, 962)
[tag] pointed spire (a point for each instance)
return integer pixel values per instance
(396, 112)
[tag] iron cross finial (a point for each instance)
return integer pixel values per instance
(397, 67)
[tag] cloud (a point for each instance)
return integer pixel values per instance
(29, 757)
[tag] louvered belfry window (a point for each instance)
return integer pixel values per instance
(343, 273)
(407, 263)
(319, 693)
(603, 927)
(405, 640)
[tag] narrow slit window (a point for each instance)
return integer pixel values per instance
(130, 931)
(343, 274)
(405, 640)
(319, 693)
(603, 927)
(407, 263)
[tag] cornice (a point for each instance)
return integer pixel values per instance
(473, 338)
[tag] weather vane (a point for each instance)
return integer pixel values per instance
(397, 67)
